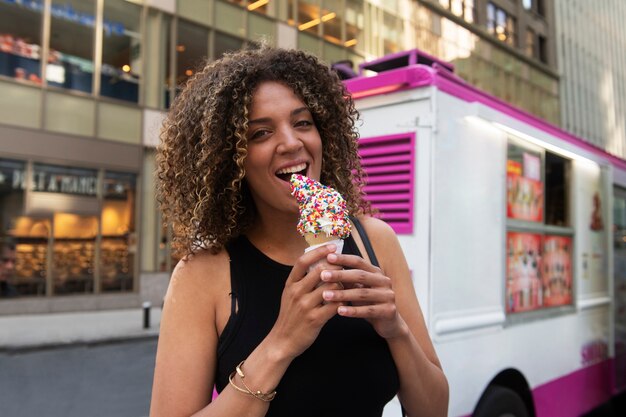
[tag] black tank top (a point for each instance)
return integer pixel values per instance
(348, 370)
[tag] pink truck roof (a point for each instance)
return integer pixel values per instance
(414, 69)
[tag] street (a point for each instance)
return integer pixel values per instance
(79, 381)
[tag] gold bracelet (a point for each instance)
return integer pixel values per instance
(267, 397)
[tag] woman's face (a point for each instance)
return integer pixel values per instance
(282, 140)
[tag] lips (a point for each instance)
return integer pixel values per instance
(285, 173)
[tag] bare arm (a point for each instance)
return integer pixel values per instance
(388, 301)
(186, 355)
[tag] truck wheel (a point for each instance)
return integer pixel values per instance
(499, 401)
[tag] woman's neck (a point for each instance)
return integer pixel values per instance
(277, 237)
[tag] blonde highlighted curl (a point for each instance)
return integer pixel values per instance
(200, 173)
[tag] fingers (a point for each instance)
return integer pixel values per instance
(351, 261)
(356, 278)
(372, 312)
(303, 263)
(360, 295)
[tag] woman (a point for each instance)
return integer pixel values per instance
(244, 311)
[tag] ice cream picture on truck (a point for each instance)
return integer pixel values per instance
(515, 233)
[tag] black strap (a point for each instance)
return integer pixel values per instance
(370, 252)
(366, 241)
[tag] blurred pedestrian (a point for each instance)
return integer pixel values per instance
(244, 311)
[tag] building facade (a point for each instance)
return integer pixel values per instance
(592, 68)
(84, 85)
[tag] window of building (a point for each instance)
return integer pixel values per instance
(539, 235)
(354, 24)
(309, 16)
(530, 46)
(541, 11)
(20, 41)
(500, 24)
(121, 51)
(70, 62)
(119, 241)
(224, 43)
(332, 22)
(391, 34)
(29, 235)
(542, 49)
(528, 4)
(192, 49)
(68, 236)
(461, 8)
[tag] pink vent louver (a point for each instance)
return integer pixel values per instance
(389, 163)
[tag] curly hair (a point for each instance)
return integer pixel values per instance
(200, 160)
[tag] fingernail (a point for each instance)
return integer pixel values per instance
(325, 275)
(332, 257)
(332, 247)
(328, 295)
(342, 310)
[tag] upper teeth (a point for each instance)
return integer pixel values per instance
(291, 170)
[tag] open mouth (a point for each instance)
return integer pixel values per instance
(286, 173)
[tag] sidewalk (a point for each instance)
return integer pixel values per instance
(41, 331)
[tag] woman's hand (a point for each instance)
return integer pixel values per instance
(303, 312)
(368, 294)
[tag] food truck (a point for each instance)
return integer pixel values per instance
(515, 234)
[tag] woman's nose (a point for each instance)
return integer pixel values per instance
(289, 142)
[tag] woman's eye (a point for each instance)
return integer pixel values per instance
(259, 134)
(303, 123)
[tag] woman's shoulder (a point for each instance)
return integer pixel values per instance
(376, 228)
(198, 275)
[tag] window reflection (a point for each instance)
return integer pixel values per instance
(331, 22)
(20, 35)
(191, 50)
(225, 43)
(74, 253)
(354, 24)
(500, 24)
(119, 240)
(70, 63)
(309, 16)
(121, 50)
(391, 34)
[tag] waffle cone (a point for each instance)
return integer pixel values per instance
(316, 240)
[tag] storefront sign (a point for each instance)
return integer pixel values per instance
(45, 181)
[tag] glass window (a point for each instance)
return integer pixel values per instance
(28, 235)
(70, 62)
(528, 4)
(461, 8)
(74, 253)
(121, 51)
(224, 43)
(331, 22)
(530, 43)
(20, 40)
(539, 260)
(391, 34)
(192, 49)
(119, 240)
(309, 17)
(354, 24)
(542, 49)
(500, 24)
